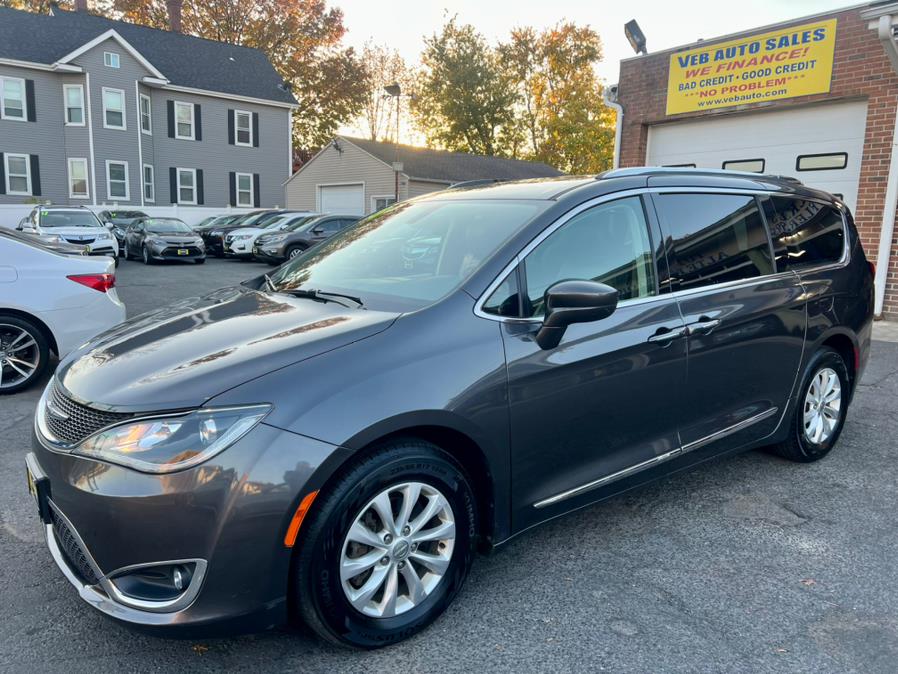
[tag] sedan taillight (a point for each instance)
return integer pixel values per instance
(100, 282)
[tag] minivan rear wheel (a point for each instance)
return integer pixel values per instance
(24, 353)
(819, 413)
(388, 547)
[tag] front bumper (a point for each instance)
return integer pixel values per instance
(229, 515)
(174, 253)
(239, 248)
(273, 253)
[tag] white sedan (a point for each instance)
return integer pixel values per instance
(50, 302)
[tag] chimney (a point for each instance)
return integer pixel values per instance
(81, 5)
(174, 14)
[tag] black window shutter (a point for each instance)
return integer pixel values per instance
(171, 120)
(29, 100)
(232, 187)
(230, 127)
(200, 198)
(256, 200)
(2, 174)
(35, 176)
(173, 183)
(255, 129)
(198, 121)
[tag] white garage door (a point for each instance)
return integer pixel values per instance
(342, 199)
(789, 142)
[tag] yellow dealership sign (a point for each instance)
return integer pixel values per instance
(795, 61)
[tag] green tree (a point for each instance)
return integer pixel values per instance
(464, 99)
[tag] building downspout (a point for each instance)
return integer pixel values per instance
(610, 96)
(887, 38)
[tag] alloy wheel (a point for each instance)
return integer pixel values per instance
(294, 252)
(397, 550)
(20, 355)
(822, 406)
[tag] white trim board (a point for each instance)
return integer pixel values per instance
(111, 34)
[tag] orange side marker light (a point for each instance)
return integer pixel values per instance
(298, 517)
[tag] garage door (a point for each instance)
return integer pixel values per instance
(342, 199)
(821, 145)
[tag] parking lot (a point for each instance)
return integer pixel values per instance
(747, 563)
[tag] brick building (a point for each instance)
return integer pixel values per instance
(750, 104)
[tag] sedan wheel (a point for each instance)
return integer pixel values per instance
(293, 252)
(146, 255)
(822, 406)
(24, 354)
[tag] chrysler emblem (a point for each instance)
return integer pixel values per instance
(55, 412)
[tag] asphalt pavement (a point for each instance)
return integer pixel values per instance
(748, 563)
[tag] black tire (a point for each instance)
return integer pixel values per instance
(145, 255)
(797, 446)
(116, 260)
(125, 252)
(293, 251)
(9, 324)
(201, 260)
(317, 589)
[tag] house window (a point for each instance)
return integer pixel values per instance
(149, 183)
(187, 186)
(834, 161)
(243, 123)
(113, 108)
(78, 179)
(379, 203)
(111, 59)
(146, 115)
(184, 126)
(749, 165)
(74, 104)
(12, 98)
(245, 196)
(117, 180)
(18, 173)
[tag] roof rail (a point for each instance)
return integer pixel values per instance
(479, 182)
(656, 170)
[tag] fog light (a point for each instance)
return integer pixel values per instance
(155, 583)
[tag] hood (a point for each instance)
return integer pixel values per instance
(247, 230)
(182, 355)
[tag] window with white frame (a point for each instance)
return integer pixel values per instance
(117, 180)
(184, 126)
(113, 108)
(243, 124)
(12, 99)
(187, 186)
(78, 179)
(146, 115)
(149, 183)
(18, 173)
(245, 196)
(111, 59)
(74, 104)
(379, 203)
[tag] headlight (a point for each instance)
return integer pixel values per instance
(103, 236)
(118, 231)
(168, 444)
(275, 238)
(243, 237)
(216, 232)
(153, 241)
(51, 238)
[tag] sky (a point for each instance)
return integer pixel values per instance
(402, 24)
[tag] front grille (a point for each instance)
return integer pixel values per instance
(73, 421)
(72, 551)
(229, 239)
(192, 251)
(83, 242)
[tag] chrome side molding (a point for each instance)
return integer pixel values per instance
(655, 460)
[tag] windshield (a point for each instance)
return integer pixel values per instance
(69, 219)
(277, 223)
(256, 219)
(411, 254)
(126, 215)
(297, 224)
(160, 226)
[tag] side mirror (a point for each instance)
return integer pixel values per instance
(318, 230)
(569, 302)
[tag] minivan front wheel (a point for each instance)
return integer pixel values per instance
(820, 410)
(388, 548)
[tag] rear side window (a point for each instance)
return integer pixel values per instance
(804, 233)
(714, 238)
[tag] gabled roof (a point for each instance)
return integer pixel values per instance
(184, 60)
(452, 167)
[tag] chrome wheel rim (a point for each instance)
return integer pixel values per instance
(397, 550)
(822, 406)
(294, 253)
(20, 355)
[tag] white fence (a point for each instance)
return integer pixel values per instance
(11, 214)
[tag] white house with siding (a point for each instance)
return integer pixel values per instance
(356, 176)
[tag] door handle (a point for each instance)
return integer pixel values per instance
(666, 335)
(702, 327)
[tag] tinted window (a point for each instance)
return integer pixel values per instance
(608, 243)
(504, 300)
(804, 233)
(715, 238)
(69, 219)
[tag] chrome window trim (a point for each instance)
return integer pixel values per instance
(605, 198)
(655, 460)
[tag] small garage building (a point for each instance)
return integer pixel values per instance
(814, 98)
(357, 176)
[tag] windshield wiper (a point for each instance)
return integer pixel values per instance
(269, 283)
(322, 295)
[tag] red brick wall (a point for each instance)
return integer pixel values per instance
(861, 71)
